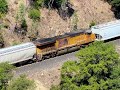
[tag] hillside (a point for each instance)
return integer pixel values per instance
(81, 14)
(51, 24)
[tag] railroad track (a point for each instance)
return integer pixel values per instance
(46, 64)
(55, 62)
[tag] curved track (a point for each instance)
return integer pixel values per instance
(46, 64)
(53, 62)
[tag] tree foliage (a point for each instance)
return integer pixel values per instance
(21, 25)
(5, 74)
(1, 40)
(7, 82)
(48, 3)
(55, 87)
(3, 6)
(75, 21)
(98, 68)
(38, 3)
(34, 14)
(54, 3)
(24, 25)
(115, 3)
(116, 7)
(63, 6)
(92, 24)
(22, 83)
(20, 17)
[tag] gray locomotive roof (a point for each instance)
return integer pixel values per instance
(74, 33)
(46, 41)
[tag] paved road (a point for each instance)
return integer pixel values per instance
(46, 64)
(50, 63)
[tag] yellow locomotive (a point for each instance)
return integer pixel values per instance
(50, 47)
(46, 47)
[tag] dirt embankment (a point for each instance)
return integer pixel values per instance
(51, 23)
(45, 79)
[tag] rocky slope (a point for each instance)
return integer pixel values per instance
(51, 23)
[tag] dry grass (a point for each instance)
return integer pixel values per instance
(45, 79)
(52, 24)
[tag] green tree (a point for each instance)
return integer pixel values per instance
(55, 87)
(48, 3)
(3, 6)
(24, 26)
(75, 21)
(20, 20)
(1, 40)
(34, 14)
(115, 7)
(92, 24)
(97, 69)
(7, 82)
(22, 83)
(60, 2)
(21, 12)
(38, 3)
(115, 3)
(114, 82)
(33, 32)
(5, 75)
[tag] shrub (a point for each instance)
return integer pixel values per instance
(6, 82)
(20, 15)
(34, 14)
(22, 29)
(24, 25)
(22, 83)
(1, 15)
(3, 6)
(60, 2)
(38, 3)
(75, 21)
(115, 7)
(55, 87)
(21, 12)
(115, 3)
(5, 75)
(15, 43)
(20, 18)
(54, 4)
(97, 68)
(92, 24)
(48, 3)
(1, 41)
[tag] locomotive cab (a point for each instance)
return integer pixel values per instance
(45, 48)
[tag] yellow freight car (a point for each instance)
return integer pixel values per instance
(49, 47)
